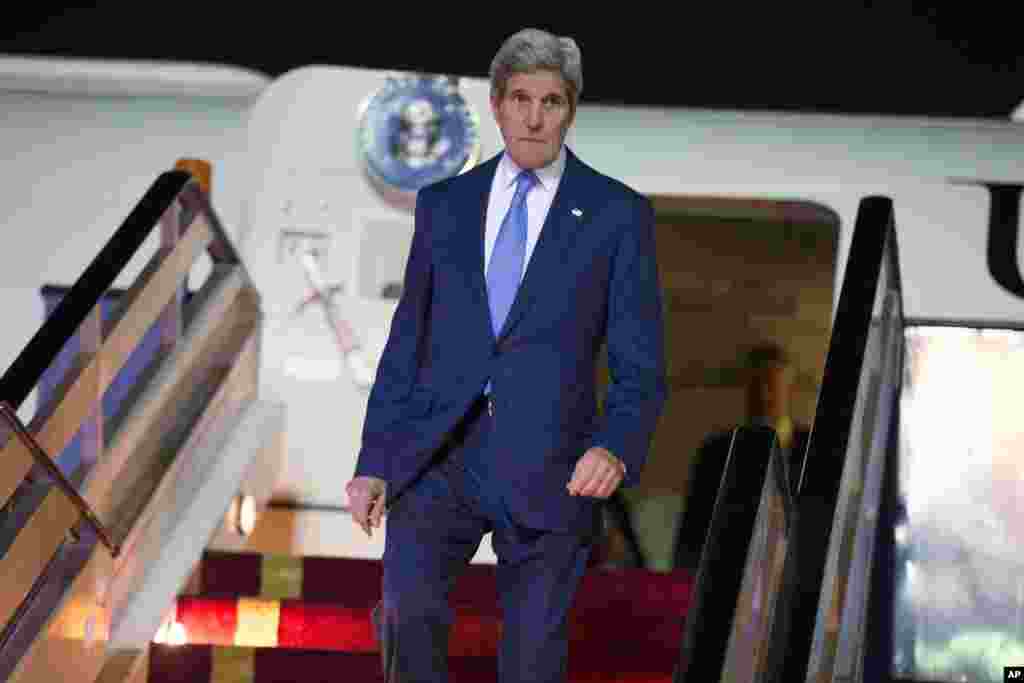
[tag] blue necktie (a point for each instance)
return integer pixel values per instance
(506, 266)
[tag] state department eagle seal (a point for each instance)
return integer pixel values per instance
(417, 130)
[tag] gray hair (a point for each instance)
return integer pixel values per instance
(532, 49)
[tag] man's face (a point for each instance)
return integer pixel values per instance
(534, 115)
(774, 387)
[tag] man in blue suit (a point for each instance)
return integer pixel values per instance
(483, 417)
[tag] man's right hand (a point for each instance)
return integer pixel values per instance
(366, 496)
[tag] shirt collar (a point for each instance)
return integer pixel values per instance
(547, 175)
(783, 426)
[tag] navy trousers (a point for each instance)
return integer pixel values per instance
(433, 531)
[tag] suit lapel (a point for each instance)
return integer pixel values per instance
(471, 224)
(566, 215)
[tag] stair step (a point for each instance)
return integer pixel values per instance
(214, 664)
(274, 616)
(356, 582)
(320, 626)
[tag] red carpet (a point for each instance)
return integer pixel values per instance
(625, 625)
(200, 663)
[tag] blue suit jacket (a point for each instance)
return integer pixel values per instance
(592, 279)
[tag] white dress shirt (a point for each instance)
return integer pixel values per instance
(538, 201)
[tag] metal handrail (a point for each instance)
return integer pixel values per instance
(8, 414)
(61, 325)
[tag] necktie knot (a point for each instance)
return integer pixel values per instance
(524, 183)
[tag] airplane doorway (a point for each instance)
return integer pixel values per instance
(735, 274)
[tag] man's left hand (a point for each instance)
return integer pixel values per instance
(598, 473)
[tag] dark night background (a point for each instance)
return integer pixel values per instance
(897, 57)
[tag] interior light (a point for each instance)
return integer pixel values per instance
(244, 507)
(171, 632)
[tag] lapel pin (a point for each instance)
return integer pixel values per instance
(577, 212)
